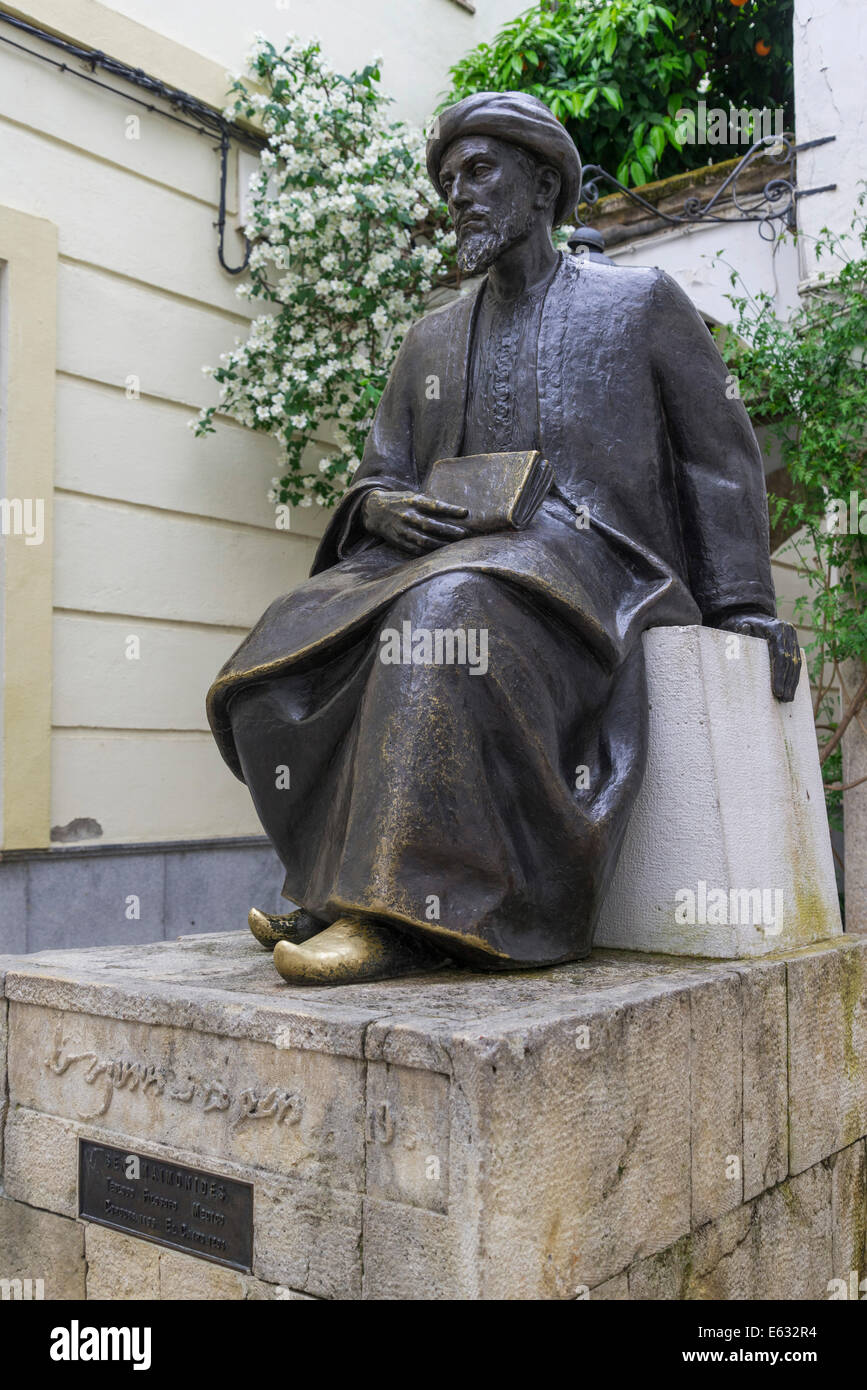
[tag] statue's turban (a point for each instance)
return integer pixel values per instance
(521, 120)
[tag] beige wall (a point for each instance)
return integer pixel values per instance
(157, 535)
(418, 39)
(28, 286)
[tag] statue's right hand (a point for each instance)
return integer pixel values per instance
(411, 520)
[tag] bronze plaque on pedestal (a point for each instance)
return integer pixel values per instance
(188, 1209)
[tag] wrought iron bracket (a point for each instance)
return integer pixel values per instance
(771, 207)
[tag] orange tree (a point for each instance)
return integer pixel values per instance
(617, 72)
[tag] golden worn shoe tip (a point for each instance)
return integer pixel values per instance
(271, 927)
(351, 951)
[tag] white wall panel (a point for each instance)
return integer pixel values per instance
(104, 680)
(95, 122)
(113, 558)
(143, 451)
(418, 39)
(110, 329)
(147, 786)
(111, 218)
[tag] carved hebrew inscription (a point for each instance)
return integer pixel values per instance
(109, 1074)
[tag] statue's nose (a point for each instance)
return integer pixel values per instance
(459, 197)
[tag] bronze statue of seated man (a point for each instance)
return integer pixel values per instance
(474, 809)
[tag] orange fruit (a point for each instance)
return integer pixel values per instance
(763, 48)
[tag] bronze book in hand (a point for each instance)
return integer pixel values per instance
(499, 491)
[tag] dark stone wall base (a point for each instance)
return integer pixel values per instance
(89, 895)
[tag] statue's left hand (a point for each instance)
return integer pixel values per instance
(782, 640)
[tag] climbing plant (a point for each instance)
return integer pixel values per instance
(806, 378)
(348, 236)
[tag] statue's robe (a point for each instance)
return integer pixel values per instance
(486, 812)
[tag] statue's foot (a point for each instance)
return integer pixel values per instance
(352, 950)
(271, 927)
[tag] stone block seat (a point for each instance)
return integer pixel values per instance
(728, 851)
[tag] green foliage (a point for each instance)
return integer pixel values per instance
(617, 72)
(737, 73)
(806, 376)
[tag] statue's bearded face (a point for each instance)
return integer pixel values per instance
(492, 189)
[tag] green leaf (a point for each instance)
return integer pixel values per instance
(647, 157)
(613, 97)
(609, 43)
(574, 103)
(657, 140)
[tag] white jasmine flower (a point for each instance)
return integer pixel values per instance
(335, 160)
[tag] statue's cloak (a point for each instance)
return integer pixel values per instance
(648, 439)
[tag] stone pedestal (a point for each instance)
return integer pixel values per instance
(625, 1127)
(728, 852)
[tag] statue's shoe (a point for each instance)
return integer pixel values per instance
(271, 927)
(352, 950)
